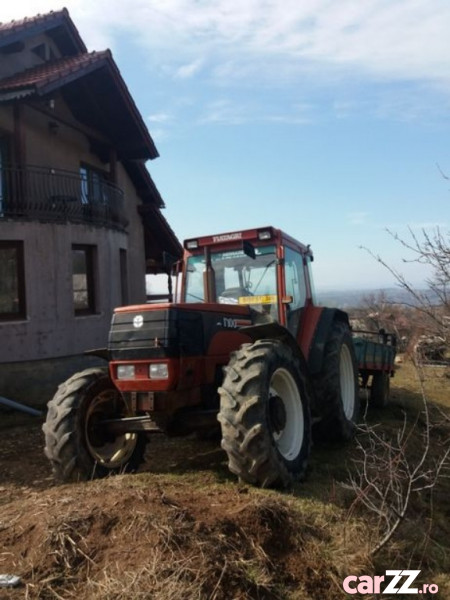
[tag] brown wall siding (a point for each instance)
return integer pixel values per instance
(51, 329)
(19, 61)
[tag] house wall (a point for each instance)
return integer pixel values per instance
(41, 350)
(46, 345)
(51, 328)
(26, 58)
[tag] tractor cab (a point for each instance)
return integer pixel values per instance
(264, 269)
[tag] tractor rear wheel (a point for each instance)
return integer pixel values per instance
(75, 442)
(379, 390)
(265, 415)
(336, 386)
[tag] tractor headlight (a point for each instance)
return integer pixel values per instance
(159, 371)
(126, 372)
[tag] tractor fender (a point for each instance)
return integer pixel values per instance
(275, 331)
(321, 334)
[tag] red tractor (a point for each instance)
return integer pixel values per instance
(243, 345)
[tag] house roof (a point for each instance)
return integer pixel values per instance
(82, 79)
(97, 95)
(159, 237)
(40, 79)
(57, 24)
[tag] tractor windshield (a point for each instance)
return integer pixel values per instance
(239, 278)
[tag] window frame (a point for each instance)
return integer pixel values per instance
(21, 314)
(91, 177)
(89, 252)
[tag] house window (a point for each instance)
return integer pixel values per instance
(12, 281)
(83, 279)
(93, 190)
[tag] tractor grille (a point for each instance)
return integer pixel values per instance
(147, 334)
(142, 334)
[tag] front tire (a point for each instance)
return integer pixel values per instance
(75, 444)
(265, 415)
(336, 387)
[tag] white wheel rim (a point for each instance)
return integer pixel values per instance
(288, 440)
(113, 454)
(347, 382)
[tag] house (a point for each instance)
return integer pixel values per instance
(80, 216)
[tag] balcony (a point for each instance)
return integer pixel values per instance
(55, 195)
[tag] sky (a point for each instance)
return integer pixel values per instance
(327, 119)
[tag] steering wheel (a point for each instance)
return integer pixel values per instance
(235, 292)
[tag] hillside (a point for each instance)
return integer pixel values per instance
(184, 528)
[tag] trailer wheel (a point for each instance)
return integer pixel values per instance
(265, 415)
(380, 388)
(76, 446)
(337, 386)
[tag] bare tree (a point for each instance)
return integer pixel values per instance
(388, 470)
(429, 309)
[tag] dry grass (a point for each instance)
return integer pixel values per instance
(186, 529)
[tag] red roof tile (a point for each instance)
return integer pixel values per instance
(42, 75)
(6, 28)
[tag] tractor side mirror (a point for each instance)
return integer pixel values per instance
(249, 249)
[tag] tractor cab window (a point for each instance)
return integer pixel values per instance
(239, 279)
(294, 278)
(194, 279)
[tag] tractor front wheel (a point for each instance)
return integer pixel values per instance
(76, 444)
(265, 415)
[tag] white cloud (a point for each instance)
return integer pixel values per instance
(399, 39)
(189, 70)
(226, 111)
(344, 45)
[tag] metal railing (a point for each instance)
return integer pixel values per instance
(57, 195)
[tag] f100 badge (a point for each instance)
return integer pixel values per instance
(231, 323)
(138, 321)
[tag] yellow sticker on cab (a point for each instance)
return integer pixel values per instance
(268, 299)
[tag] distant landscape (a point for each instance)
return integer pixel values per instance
(354, 298)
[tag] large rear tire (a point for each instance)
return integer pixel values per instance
(75, 443)
(265, 415)
(336, 387)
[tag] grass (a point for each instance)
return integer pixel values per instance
(186, 528)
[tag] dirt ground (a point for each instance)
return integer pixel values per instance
(183, 527)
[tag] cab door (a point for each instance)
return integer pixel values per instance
(295, 287)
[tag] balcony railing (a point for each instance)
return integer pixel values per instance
(57, 195)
